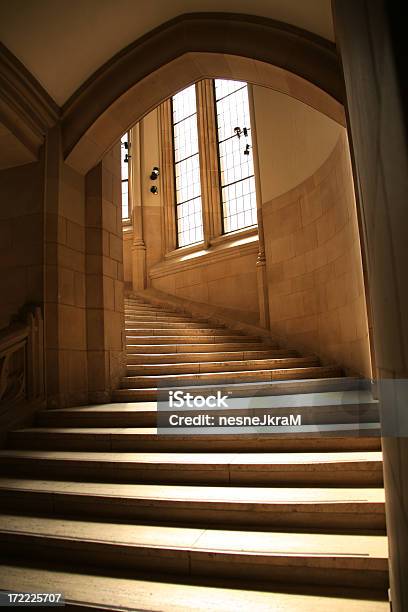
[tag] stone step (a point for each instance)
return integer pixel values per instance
(145, 306)
(162, 317)
(168, 325)
(321, 409)
(188, 332)
(219, 366)
(197, 357)
(196, 347)
(305, 508)
(223, 378)
(184, 339)
(245, 389)
(285, 557)
(344, 467)
(127, 591)
(325, 438)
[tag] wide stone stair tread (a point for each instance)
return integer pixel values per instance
(306, 508)
(144, 439)
(221, 366)
(319, 408)
(214, 540)
(246, 388)
(237, 376)
(125, 592)
(159, 358)
(330, 468)
(259, 496)
(269, 461)
(170, 325)
(194, 347)
(279, 555)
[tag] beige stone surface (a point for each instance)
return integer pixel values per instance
(21, 238)
(178, 597)
(315, 278)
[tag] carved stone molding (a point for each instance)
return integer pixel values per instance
(25, 107)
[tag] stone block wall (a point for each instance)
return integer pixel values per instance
(21, 238)
(314, 268)
(64, 272)
(104, 277)
(227, 281)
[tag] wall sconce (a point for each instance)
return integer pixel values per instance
(238, 131)
(154, 190)
(155, 174)
(126, 145)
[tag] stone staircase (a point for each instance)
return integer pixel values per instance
(99, 506)
(167, 348)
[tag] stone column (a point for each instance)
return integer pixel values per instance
(207, 138)
(261, 273)
(167, 178)
(379, 141)
(104, 277)
(64, 312)
(135, 194)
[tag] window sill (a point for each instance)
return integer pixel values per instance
(186, 250)
(236, 235)
(225, 247)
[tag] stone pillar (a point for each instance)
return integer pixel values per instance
(207, 137)
(169, 242)
(104, 277)
(64, 295)
(261, 273)
(138, 248)
(379, 142)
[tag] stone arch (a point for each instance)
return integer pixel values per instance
(185, 50)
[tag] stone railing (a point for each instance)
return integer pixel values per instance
(22, 359)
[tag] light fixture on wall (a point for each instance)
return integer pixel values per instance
(126, 145)
(155, 174)
(241, 131)
(154, 190)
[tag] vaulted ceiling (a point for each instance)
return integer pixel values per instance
(63, 42)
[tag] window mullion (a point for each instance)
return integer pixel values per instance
(207, 138)
(167, 185)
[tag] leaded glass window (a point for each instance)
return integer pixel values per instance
(189, 214)
(124, 159)
(237, 180)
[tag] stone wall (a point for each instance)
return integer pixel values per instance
(21, 238)
(64, 296)
(225, 278)
(315, 279)
(104, 277)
